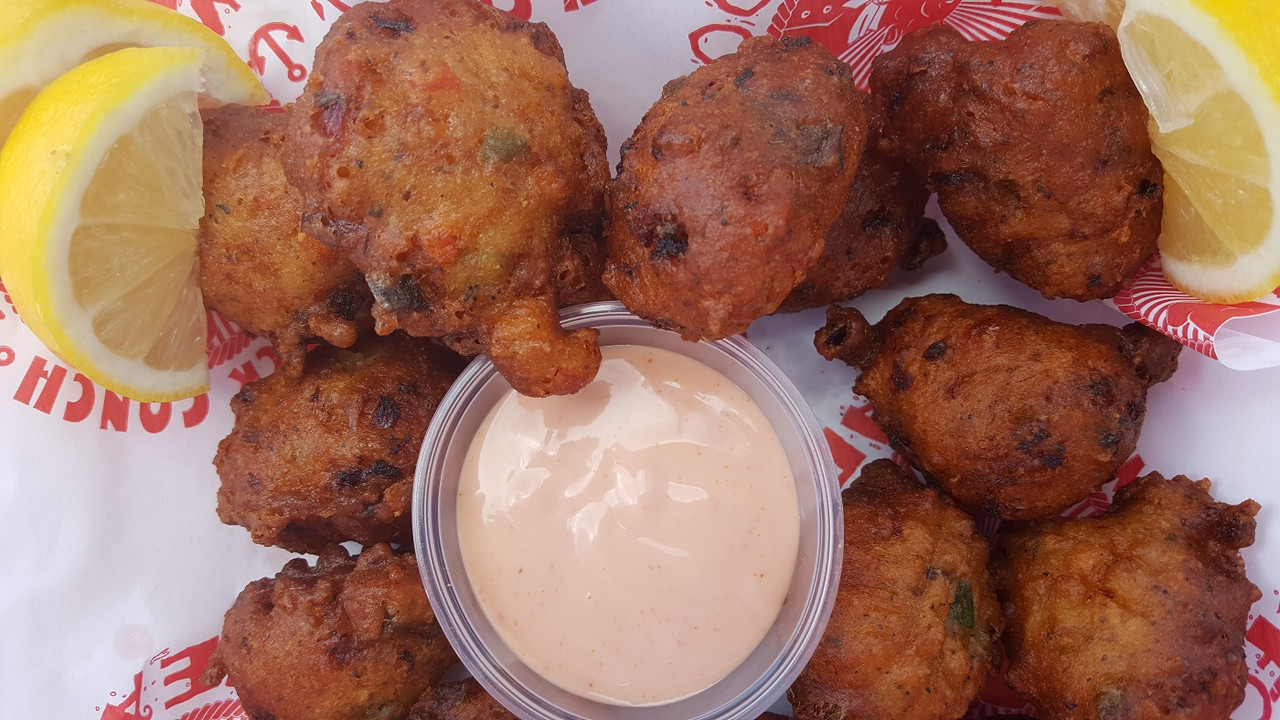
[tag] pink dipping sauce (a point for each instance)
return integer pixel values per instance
(634, 542)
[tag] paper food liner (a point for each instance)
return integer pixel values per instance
(119, 571)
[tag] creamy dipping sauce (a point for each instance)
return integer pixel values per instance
(634, 542)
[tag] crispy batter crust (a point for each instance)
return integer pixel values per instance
(256, 265)
(913, 634)
(442, 148)
(730, 183)
(348, 639)
(329, 456)
(882, 226)
(462, 700)
(1137, 614)
(1013, 414)
(1037, 147)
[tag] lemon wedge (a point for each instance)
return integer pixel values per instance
(1209, 71)
(100, 201)
(41, 39)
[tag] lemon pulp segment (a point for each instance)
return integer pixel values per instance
(1215, 125)
(100, 200)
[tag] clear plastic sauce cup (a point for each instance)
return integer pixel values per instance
(766, 673)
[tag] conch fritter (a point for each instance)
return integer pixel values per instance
(882, 226)
(1139, 613)
(913, 633)
(1037, 147)
(1011, 413)
(257, 267)
(729, 185)
(348, 639)
(329, 456)
(442, 149)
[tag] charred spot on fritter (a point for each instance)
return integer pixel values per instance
(344, 303)
(401, 293)
(386, 414)
(820, 146)
(666, 238)
(393, 22)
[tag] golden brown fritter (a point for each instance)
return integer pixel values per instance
(1139, 613)
(882, 225)
(462, 700)
(256, 265)
(1037, 147)
(441, 147)
(348, 639)
(729, 185)
(913, 633)
(1012, 414)
(329, 456)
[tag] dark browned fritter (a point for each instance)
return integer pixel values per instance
(1037, 147)
(1139, 613)
(348, 639)
(1011, 413)
(257, 267)
(441, 147)
(882, 226)
(329, 456)
(913, 634)
(730, 183)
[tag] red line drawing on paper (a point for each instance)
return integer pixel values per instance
(858, 30)
(338, 5)
(697, 38)
(127, 709)
(221, 710)
(296, 72)
(225, 339)
(206, 11)
(1099, 500)
(730, 8)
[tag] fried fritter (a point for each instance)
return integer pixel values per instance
(913, 633)
(256, 265)
(730, 183)
(350, 639)
(329, 456)
(1011, 413)
(881, 226)
(441, 147)
(1037, 147)
(1139, 613)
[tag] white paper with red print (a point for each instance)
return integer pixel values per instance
(118, 570)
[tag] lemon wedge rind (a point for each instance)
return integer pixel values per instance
(47, 167)
(1221, 238)
(42, 39)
